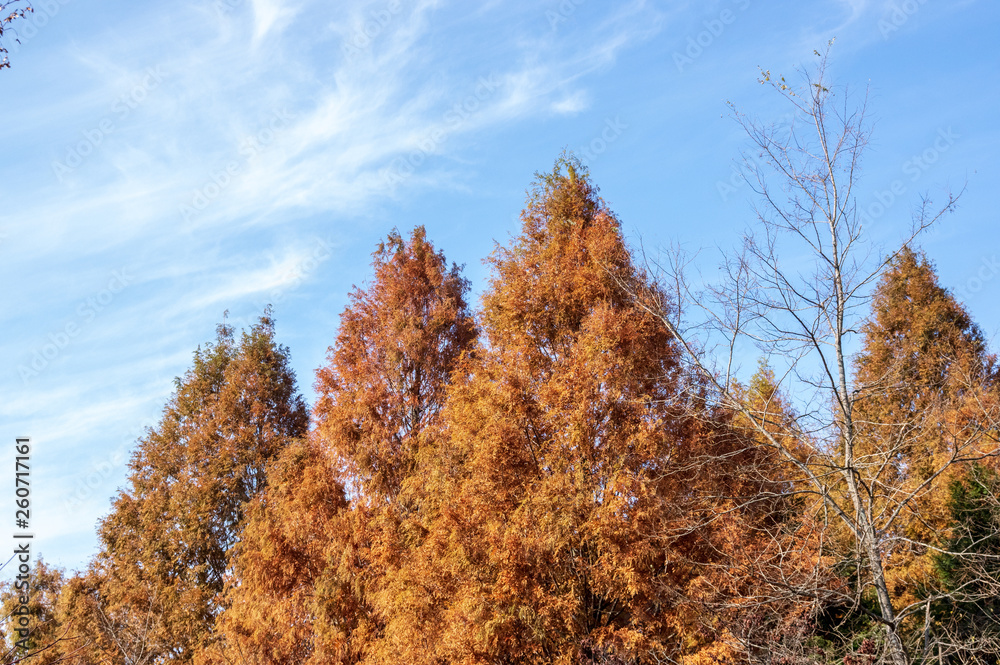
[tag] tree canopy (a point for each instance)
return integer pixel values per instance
(577, 471)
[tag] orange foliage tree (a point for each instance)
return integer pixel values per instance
(557, 511)
(270, 614)
(50, 639)
(566, 480)
(166, 544)
(312, 568)
(926, 410)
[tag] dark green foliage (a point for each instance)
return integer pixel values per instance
(970, 570)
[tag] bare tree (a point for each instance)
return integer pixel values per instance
(798, 290)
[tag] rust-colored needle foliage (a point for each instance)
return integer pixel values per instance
(311, 567)
(398, 343)
(927, 396)
(48, 639)
(561, 471)
(167, 541)
(270, 615)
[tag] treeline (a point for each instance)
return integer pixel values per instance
(544, 480)
(576, 472)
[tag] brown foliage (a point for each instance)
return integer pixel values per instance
(397, 345)
(166, 543)
(558, 531)
(311, 565)
(270, 615)
(51, 639)
(926, 400)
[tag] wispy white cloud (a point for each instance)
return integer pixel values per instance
(270, 15)
(573, 103)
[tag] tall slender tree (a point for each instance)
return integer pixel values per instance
(385, 383)
(311, 560)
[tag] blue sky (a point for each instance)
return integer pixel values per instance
(165, 162)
